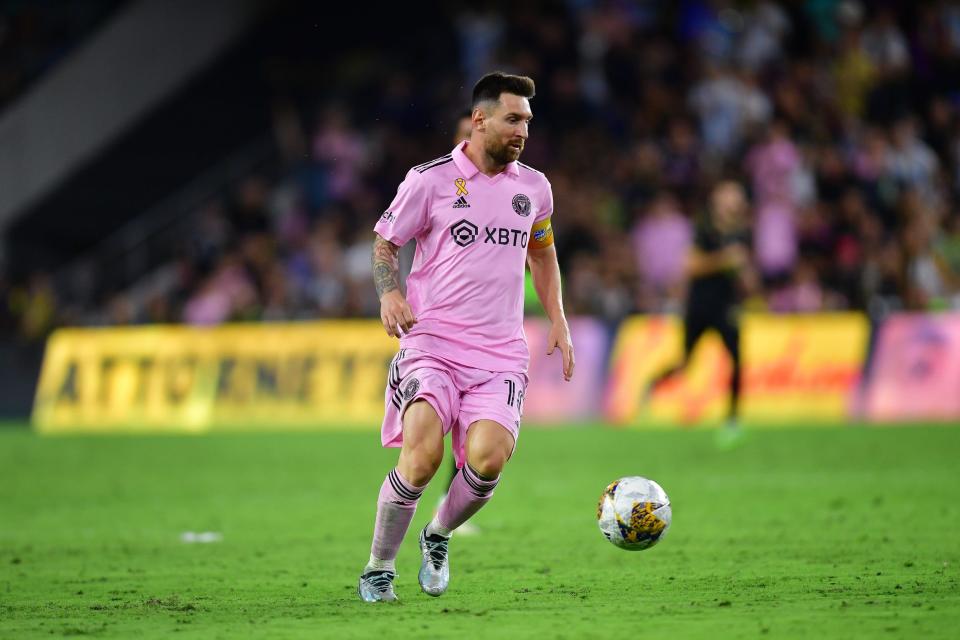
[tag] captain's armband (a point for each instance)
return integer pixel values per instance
(541, 236)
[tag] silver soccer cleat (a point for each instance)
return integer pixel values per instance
(434, 573)
(377, 586)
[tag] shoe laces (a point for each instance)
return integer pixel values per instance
(436, 549)
(379, 580)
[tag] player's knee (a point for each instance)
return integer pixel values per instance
(489, 446)
(489, 463)
(421, 464)
(420, 474)
(422, 450)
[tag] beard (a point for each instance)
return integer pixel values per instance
(502, 153)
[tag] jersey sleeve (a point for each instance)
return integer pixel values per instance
(541, 235)
(406, 216)
(546, 204)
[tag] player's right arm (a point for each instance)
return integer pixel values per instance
(703, 263)
(404, 219)
(395, 312)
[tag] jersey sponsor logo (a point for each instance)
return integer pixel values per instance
(521, 205)
(461, 203)
(464, 232)
(504, 236)
(388, 216)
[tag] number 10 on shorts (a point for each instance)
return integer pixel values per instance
(514, 397)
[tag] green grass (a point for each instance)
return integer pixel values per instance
(823, 533)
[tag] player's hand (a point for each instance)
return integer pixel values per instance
(560, 337)
(750, 281)
(737, 256)
(396, 314)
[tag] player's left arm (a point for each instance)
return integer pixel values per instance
(542, 258)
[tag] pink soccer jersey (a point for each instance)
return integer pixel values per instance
(472, 232)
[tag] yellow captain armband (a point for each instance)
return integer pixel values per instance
(541, 236)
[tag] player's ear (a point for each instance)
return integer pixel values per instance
(477, 119)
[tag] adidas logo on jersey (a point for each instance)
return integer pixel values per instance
(461, 203)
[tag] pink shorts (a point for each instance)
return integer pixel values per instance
(459, 394)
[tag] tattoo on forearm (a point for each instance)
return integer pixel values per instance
(386, 266)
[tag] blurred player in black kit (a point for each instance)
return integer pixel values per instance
(718, 270)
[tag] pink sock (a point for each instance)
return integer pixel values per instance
(395, 508)
(468, 492)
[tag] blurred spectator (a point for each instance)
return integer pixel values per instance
(718, 101)
(946, 257)
(911, 162)
(803, 294)
(681, 155)
(661, 239)
(773, 165)
(762, 41)
(341, 150)
(228, 294)
(36, 306)
(884, 43)
(480, 36)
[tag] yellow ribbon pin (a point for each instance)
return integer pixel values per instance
(461, 186)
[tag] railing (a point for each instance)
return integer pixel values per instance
(151, 238)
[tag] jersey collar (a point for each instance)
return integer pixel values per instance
(468, 169)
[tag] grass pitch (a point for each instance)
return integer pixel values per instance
(827, 533)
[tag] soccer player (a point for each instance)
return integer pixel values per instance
(478, 216)
(718, 269)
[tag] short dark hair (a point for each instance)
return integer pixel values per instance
(490, 86)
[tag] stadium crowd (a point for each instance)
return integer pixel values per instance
(842, 118)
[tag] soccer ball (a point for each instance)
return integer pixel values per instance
(634, 513)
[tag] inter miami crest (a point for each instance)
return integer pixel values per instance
(411, 389)
(521, 204)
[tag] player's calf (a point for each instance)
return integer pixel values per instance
(469, 491)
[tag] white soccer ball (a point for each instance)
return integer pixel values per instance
(634, 513)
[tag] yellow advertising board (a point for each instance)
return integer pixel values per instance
(796, 368)
(174, 378)
(331, 374)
